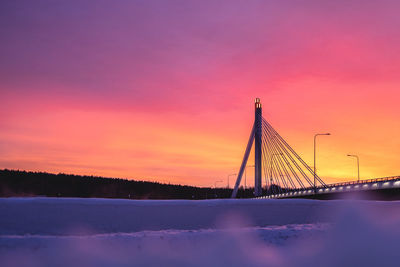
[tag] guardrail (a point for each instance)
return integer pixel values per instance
(376, 183)
(374, 180)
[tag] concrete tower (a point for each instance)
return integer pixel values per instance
(257, 147)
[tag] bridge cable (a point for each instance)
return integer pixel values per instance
(276, 163)
(283, 144)
(295, 154)
(280, 154)
(285, 159)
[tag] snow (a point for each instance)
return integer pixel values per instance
(109, 232)
(60, 216)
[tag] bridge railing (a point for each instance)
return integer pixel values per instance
(367, 181)
(310, 190)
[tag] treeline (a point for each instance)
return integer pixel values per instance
(23, 183)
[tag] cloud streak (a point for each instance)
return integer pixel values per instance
(190, 70)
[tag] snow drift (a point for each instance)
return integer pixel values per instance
(101, 232)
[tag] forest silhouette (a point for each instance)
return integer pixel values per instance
(23, 183)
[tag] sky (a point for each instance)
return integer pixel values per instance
(164, 90)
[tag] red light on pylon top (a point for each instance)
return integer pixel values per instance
(258, 103)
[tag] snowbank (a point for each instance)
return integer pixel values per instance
(99, 232)
(61, 216)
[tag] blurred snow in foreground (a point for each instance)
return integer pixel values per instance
(100, 232)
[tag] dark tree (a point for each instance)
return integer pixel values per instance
(22, 183)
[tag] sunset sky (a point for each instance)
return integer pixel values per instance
(164, 90)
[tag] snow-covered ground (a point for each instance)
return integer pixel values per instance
(106, 232)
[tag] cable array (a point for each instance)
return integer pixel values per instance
(283, 168)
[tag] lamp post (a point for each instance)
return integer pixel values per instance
(272, 157)
(215, 187)
(230, 175)
(358, 165)
(315, 174)
(215, 183)
(245, 175)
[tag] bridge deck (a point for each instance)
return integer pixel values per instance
(346, 187)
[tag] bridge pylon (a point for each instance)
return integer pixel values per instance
(275, 160)
(256, 137)
(257, 148)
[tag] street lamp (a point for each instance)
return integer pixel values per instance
(215, 186)
(230, 175)
(272, 157)
(245, 175)
(315, 174)
(358, 165)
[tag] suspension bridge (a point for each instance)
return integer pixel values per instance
(287, 175)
